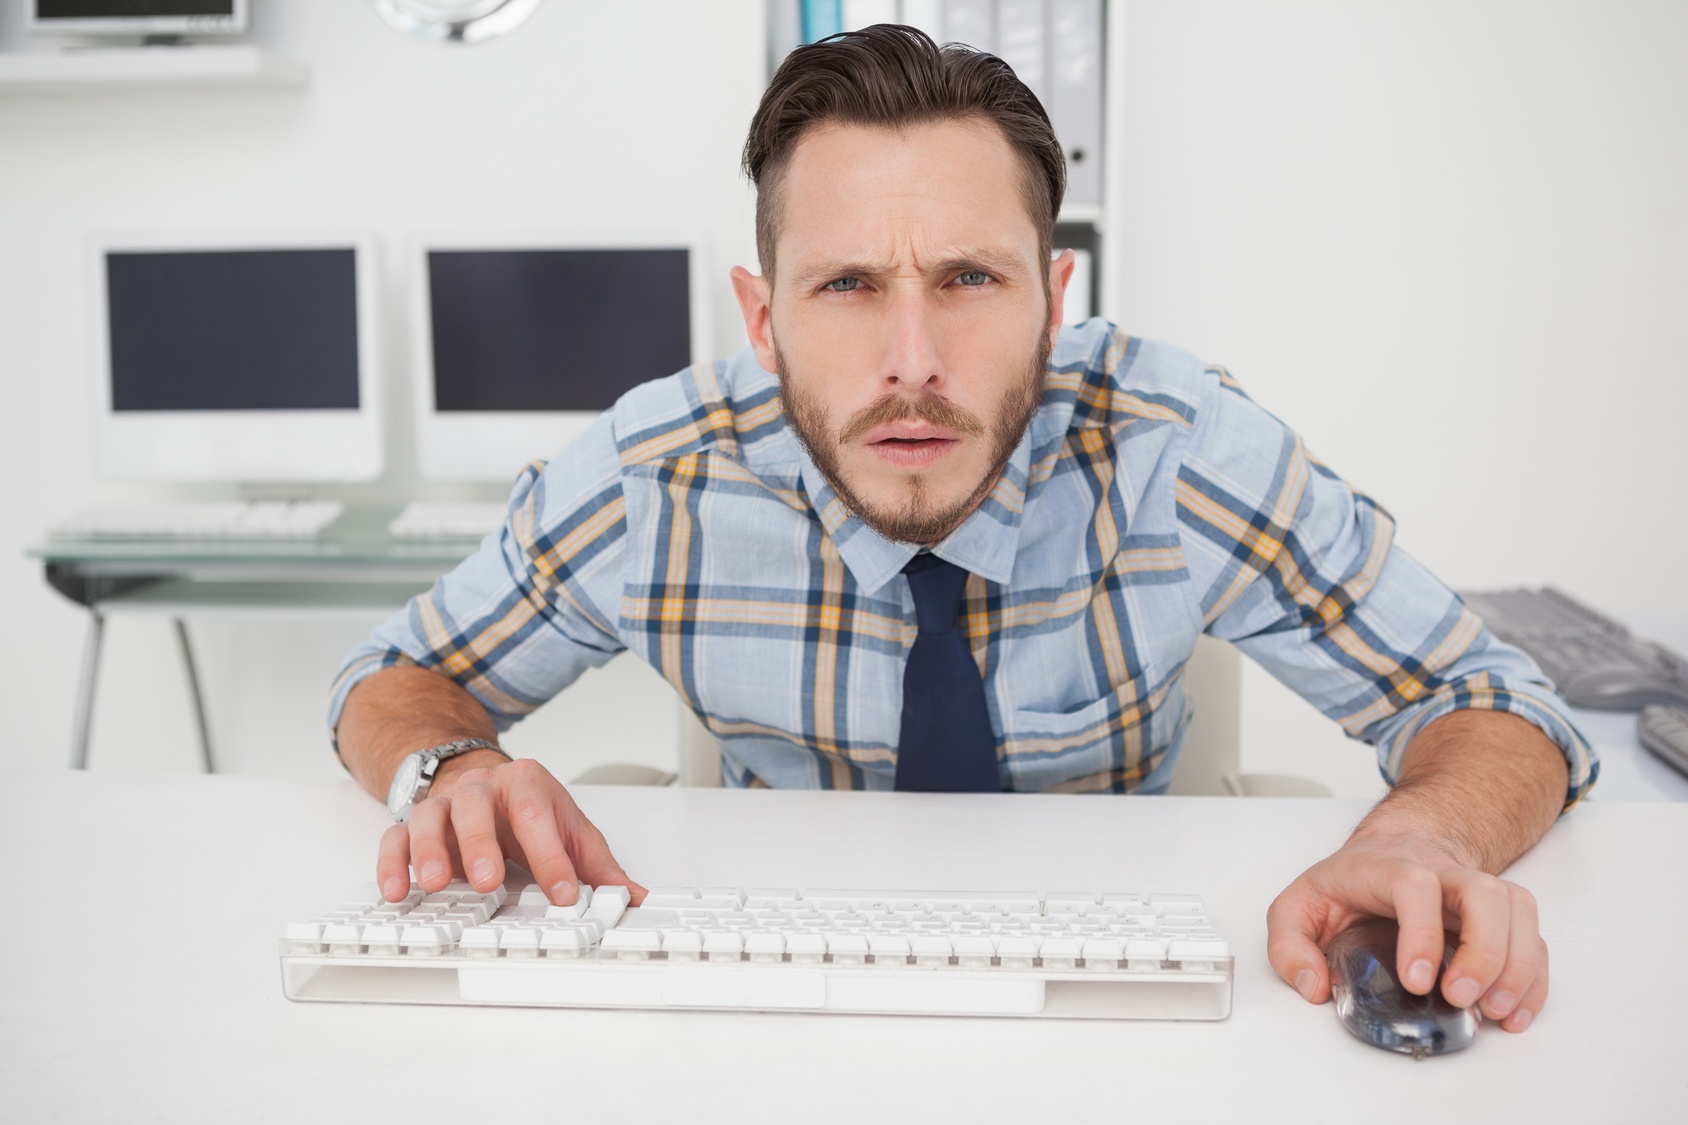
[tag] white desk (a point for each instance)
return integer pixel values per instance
(170, 1022)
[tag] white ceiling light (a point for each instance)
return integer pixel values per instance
(456, 21)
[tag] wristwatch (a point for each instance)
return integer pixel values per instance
(416, 773)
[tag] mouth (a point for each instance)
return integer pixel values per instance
(911, 446)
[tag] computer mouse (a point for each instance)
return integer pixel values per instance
(1616, 688)
(1374, 1007)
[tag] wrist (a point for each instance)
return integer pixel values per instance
(474, 759)
(1399, 825)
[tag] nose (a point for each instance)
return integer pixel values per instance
(912, 356)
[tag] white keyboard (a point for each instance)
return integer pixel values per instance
(1083, 955)
(446, 521)
(220, 519)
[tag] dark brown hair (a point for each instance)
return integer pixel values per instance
(893, 76)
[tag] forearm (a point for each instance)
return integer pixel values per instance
(1483, 785)
(398, 711)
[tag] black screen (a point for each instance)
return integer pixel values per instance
(523, 330)
(122, 9)
(233, 330)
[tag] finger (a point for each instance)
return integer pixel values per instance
(534, 825)
(1416, 894)
(1292, 931)
(392, 863)
(1530, 1006)
(1523, 956)
(428, 852)
(473, 821)
(592, 853)
(1485, 923)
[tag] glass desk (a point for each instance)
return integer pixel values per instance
(352, 569)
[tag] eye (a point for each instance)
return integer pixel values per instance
(844, 284)
(973, 278)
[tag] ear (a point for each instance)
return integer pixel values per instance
(754, 295)
(1060, 273)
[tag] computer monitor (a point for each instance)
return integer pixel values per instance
(139, 17)
(517, 345)
(244, 360)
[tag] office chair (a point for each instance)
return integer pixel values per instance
(1208, 766)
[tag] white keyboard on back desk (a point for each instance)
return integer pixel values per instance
(212, 519)
(429, 520)
(1077, 955)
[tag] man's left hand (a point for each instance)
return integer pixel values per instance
(1501, 960)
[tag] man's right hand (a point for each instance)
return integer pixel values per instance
(477, 814)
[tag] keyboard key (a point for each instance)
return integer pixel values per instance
(566, 941)
(806, 947)
(520, 941)
(382, 940)
(723, 945)
(682, 945)
(765, 946)
(1102, 952)
(931, 949)
(1204, 949)
(607, 905)
(631, 945)
(481, 941)
(847, 948)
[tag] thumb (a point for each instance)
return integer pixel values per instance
(1294, 953)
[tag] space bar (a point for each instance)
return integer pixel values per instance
(749, 987)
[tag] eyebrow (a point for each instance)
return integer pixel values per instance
(991, 260)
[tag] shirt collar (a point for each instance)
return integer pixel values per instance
(985, 544)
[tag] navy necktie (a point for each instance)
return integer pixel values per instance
(946, 744)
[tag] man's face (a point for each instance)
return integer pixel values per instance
(907, 317)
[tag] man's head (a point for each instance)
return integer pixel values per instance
(906, 201)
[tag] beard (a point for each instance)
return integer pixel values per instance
(918, 517)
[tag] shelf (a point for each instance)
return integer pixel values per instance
(146, 68)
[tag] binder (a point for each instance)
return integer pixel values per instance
(1075, 93)
(970, 22)
(858, 14)
(927, 15)
(1021, 44)
(821, 18)
(785, 31)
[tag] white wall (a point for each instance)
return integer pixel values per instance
(1446, 240)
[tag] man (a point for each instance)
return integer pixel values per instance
(919, 536)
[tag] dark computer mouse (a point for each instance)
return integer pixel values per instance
(1374, 1007)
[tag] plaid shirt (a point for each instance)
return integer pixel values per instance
(1150, 501)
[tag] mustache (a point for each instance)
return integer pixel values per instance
(930, 408)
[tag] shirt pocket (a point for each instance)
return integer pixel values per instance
(1109, 744)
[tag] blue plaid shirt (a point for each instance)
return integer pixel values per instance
(1150, 501)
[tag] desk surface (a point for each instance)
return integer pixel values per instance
(185, 1019)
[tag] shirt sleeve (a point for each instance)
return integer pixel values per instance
(1301, 572)
(534, 606)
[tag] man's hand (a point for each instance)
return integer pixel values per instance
(477, 814)
(1501, 959)
(1477, 790)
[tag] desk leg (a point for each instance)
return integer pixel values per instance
(194, 694)
(84, 719)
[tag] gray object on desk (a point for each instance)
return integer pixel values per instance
(1663, 731)
(354, 568)
(1594, 661)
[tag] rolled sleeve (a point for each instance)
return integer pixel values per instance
(1306, 579)
(525, 615)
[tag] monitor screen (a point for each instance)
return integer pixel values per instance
(554, 330)
(216, 330)
(119, 9)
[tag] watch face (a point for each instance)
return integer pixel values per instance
(404, 784)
